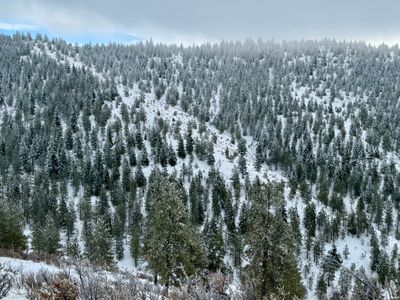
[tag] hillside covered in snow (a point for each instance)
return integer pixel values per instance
(224, 171)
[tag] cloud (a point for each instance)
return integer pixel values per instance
(211, 20)
(56, 17)
(18, 27)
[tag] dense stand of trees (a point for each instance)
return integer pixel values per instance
(325, 113)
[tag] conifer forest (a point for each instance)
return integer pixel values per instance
(230, 170)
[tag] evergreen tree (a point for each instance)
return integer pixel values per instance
(210, 155)
(214, 246)
(383, 268)
(45, 237)
(321, 287)
(53, 161)
(219, 195)
(375, 251)
(11, 227)
(144, 160)
(272, 265)
(242, 165)
(136, 234)
(132, 157)
(189, 141)
(171, 246)
(73, 249)
(361, 218)
(140, 178)
(309, 219)
(344, 283)
(99, 243)
(196, 200)
(126, 176)
(70, 220)
(331, 264)
(258, 159)
(163, 155)
(181, 148)
(236, 183)
(172, 160)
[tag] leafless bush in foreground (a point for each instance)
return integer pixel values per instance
(5, 282)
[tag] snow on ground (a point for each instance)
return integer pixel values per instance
(159, 108)
(19, 268)
(65, 59)
(359, 248)
(26, 266)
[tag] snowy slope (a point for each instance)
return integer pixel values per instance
(359, 247)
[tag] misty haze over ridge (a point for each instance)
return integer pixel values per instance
(179, 22)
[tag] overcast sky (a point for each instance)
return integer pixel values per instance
(188, 21)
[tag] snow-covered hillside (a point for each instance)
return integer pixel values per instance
(88, 133)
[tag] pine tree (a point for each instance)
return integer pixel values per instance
(309, 219)
(361, 218)
(332, 262)
(62, 212)
(119, 247)
(242, 165)
(73, 249)
(126, 176)
(321, 287)
(140, 178)
(344, 283)
(171, 246)
(383, 268)
(132, 157)
(270, 252)
(219, 195)
(70, 220)
(236, 183)
(171, 156)
(189, 141)
(99, 243)
(375, 251)
(144, 159)
(118, 230)
(53, 161)
(25, 157)
(318, 250)
(181, 148)
(11, 227)
(45, 237)
(139, 140)
(295, 225)
(242, 148)
(163, 155)
(258, 159)
(69, 141)
(136, 234)
(196, 200)
(210, 155)
(214, 246)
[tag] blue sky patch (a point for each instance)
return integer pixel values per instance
(10, 28)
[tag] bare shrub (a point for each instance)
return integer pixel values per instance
(92, 287)
(5, 282)
(122, 286)
(219, 283)
(213, 286)
(83, 281)
(37, 286)
(65, 287)
(45, 285)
